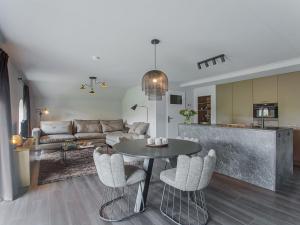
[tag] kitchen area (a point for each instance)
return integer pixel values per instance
(255, 127)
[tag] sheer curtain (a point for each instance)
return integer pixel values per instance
(6, 153)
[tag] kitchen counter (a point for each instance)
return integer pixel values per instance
(263, 157)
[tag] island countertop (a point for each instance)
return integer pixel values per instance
(239, 126)
(263, 157)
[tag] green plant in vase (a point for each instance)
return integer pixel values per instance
(188, 115)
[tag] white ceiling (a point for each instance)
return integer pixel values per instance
(53, 42)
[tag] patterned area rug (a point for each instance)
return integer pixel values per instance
(78, 163)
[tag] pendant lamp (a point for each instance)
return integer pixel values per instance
(155, 82)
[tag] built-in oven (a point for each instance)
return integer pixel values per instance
(266, 110)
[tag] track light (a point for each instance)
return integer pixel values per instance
(213, 59)
(223, 58)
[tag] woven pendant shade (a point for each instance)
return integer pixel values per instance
(155, 82)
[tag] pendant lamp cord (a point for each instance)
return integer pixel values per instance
(155, 56)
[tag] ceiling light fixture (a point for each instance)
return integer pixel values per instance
(93, 82)
(95, 57)
(155, 82)
(212, 59)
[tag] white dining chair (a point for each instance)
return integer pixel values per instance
(196, 140)
(188, 180)
(122, 183)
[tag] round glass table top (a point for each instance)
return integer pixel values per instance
(138, 148)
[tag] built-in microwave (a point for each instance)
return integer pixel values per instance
(267, 110)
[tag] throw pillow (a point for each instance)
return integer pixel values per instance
(133, 127)
(87, 126)
(56, 127)
(112, 125)
(141, 128)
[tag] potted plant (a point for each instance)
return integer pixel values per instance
(188, 114)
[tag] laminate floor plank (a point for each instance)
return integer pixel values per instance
(76, 201)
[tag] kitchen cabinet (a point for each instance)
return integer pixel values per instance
(289, 99)
(224, 103)
(265, 90)
(242, 102)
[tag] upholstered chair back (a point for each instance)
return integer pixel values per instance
(209, 165)
(110, 169)
(194, 173)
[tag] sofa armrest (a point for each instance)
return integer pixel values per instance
(36, 133)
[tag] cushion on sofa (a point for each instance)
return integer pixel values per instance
(56, 138)
(87, 126)
(115, 136)
(56, 127)
(112, 125)
(82, 136)
(138, 128)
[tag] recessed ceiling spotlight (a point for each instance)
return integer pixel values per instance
(95, 57)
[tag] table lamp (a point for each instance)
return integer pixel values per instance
(16, 140)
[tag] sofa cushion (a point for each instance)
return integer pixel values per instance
(142, 128)
(56, 127)
(87, 126)
(132, 127)
(117, 135)
(56, 138)
(112, 125)
(138, 128)
(82, 136)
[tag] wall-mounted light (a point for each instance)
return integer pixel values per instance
(212, 59)
(41, 112)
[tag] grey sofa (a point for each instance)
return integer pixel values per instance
(52, 134)
(137, 130)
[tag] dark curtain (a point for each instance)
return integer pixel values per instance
(6, 153)
(25, 126)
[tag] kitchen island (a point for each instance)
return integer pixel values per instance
(263, 157)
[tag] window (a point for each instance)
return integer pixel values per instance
(21, 114)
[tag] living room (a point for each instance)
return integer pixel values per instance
(149, 112)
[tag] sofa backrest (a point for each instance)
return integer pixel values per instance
(112, 125)
(56, 127)
(87, 126)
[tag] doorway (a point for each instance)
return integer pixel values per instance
(175, 102)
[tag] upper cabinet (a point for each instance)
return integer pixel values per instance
(289, 99)
(265, 90)
(224, 103)
(242, 102)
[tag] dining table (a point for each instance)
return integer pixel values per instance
(139, 148)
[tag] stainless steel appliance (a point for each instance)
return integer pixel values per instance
(266, 110)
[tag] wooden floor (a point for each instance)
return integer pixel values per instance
(76, 202)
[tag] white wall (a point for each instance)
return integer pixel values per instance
(204, 91)
(134, 96)
(68, 108)
(157, 109)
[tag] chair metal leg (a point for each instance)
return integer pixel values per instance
(187, 206)
(113, 204)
